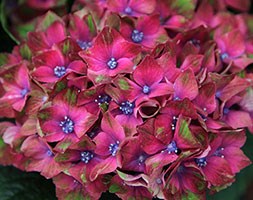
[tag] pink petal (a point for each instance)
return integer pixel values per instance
(125, 50)
(233, 48)
(206, 97)
(78, 66)
(22, 77)
(149, 143)
(112, 127)
(103, 141)
(55, 33)
(45, 74)
(37, 41)
(125, 65)
(143, 6)
(238, 119)
(218, 172)
(106, 166)
(51, 58)
(192, 61)
(186, 85)
(235, 86)
(161, 89)
(235, 158)
(148, 72)
(159, 160)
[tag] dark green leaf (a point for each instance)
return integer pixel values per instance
(18, 185)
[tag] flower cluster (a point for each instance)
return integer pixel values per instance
(144, 98)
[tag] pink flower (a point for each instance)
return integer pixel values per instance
(53, 65)
(82, 158)
(83, 30)
(63, 122)
(69, 187)
(224, 159)
(16, 84)
(132, 7)
(40, 157)
(145, 31)
(149, 78)
(42, 40)
(113, 54)
(108, 144)
(132, 156)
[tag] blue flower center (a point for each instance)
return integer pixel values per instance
(103, 98)
(49, 153)
(112, 63)
(127, 108)
(113, 148)
(146, 89)
(59, 71)
(158, 181)
(226, 111)
(83, 44)
(218, 152)
(67, 125)
(224, 56)
(172, 148)
(195, 42)
(23, 92)
(201, 162)
(128, 10)
(137, 36)
(86, 156)
(141, 159)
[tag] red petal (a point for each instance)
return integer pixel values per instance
(111, 126)
(186, 85)
(148, 72)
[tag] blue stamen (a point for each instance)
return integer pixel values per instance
(127, 108)
(201, 162)
(24, 92)
(49, 153)
(59, 71)
(112, 63)
(103, 98)
(113, 148)
(86, 156)
(137, 36)
(128, 10)
(83, 44)
(172, 148)
(67, 125)
(146, 89)
(224, 56)
(218, 152)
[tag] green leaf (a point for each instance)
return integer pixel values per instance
(190, 196)
(114, 188)
(3, 20)
(23, 29)
(18, 185)
(48, 19)
(91, 24)
(123, 84)
(3, 58)
(184, 7)
(25, 52)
